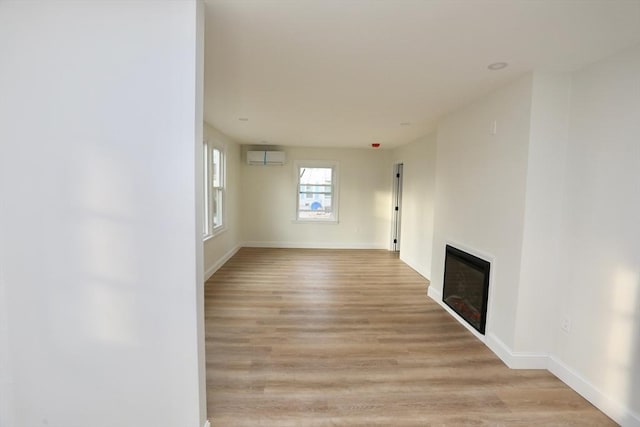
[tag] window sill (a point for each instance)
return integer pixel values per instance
(218, 231)
(316, 221)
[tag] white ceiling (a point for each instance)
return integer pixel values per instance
(346, 73)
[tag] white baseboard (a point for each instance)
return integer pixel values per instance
(415, 267)
(215, 267)
(620, 413)
(207, 424)
(434, 294)
(305, 245)
(516, 359)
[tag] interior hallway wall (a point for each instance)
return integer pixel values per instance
(99, 123)
(601, 296)
(219, 248)
(542, 270)
(481, 166)
(418, 188)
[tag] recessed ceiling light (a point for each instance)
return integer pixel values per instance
(497, 66)
(244, 119)
(405, 124)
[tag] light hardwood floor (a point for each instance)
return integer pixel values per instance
(349, 338)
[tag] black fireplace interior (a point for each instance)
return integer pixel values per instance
(466, 286)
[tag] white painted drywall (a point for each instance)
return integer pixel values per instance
(480, 192)
(6, 383)
(602, 211)
(219, 247)
(99, 126)
(555, 203)
(199, 208)
(541, 269)
(268, 202)
(418, 187)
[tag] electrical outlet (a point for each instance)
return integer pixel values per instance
(565, 324)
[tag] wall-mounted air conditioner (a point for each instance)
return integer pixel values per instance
(269, 158)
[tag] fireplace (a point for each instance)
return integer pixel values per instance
(466, 286)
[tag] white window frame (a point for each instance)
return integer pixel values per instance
(335, 193)
(210, 228)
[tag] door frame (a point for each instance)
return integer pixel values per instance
(396, 206)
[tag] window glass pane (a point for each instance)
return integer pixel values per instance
(315, 198)
(213, 188)
(205, 173)
(315, 176)
(217, 207)
(216, 168)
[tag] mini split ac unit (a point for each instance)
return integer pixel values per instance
(264, 158)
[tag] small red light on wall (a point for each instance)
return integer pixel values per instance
(375, 145)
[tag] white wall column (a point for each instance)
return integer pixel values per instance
(100, 119)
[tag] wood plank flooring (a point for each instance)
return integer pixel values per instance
(349, 338)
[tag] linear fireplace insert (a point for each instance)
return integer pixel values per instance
(466, 286)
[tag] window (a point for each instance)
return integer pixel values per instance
(213, 188)
(317, 191)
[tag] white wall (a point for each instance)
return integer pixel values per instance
(542, 271)
(99, 130)
(218, 249)
(197, 174)
(268, 202)
(6, 382)
(554, 200)
(418, 182)
(602, 247)
(480, 193)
